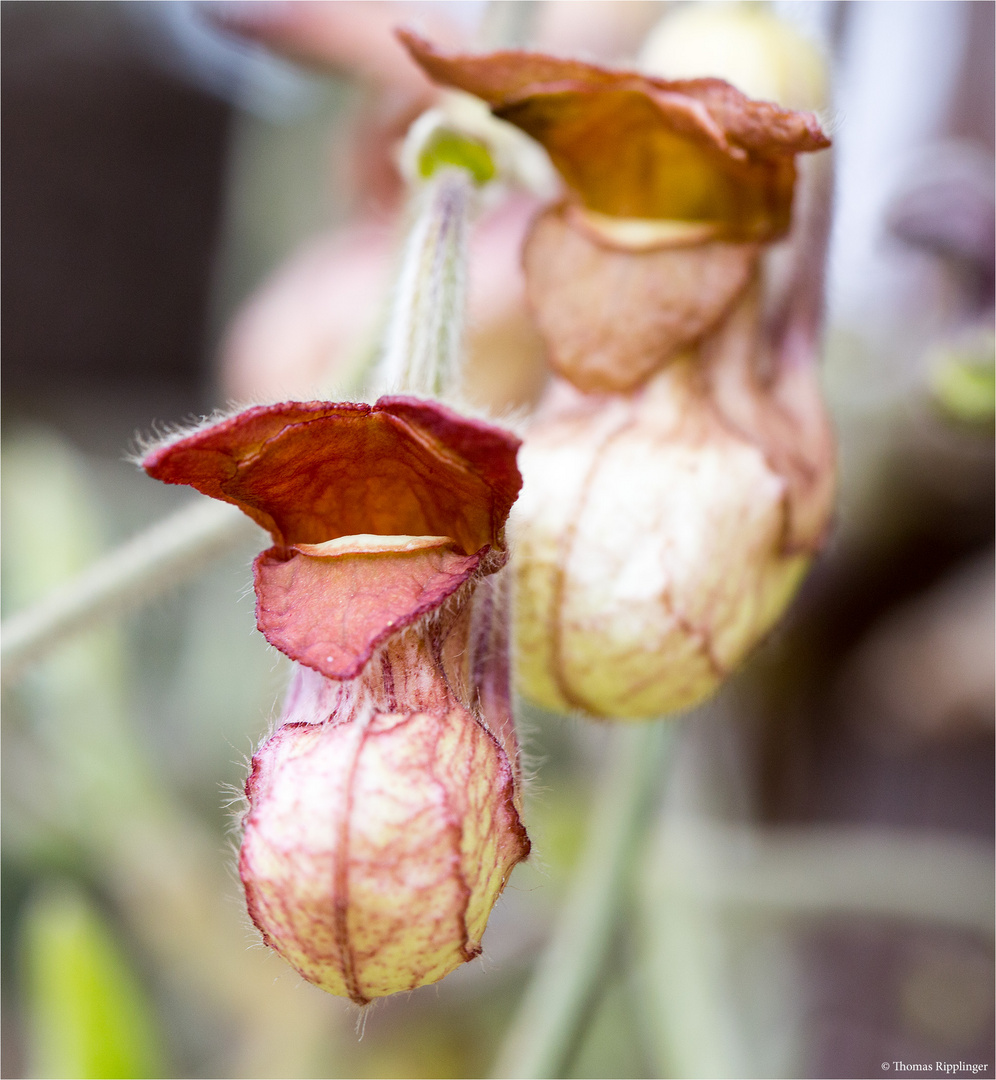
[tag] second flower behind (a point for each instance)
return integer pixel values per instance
(679, 473)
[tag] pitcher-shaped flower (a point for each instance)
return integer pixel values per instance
(662, 533)
(675, 493)
(384, 813)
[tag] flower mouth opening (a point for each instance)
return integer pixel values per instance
(364, 486)
(315, 473)
(378, 514)
(372, 544)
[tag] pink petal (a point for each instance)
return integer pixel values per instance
(330, 613)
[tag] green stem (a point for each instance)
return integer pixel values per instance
(544, 1033)
(163, 556)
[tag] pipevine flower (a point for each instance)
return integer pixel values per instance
(690, 175)
(384, 812)
(679, 473)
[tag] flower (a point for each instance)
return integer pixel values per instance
(635, 146)
(679, 472)
(661, 534)
(672, 186)
(378, 514)
(384, 813)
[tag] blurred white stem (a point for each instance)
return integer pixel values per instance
(425, 331)
(163, 556)
(819, 871)
(544, 1033)
(721, 902)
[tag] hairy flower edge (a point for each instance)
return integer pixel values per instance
(378, 514)
(385, 812)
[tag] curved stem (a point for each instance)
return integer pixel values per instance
(425, 332)
(166, 554)
(544, 1033)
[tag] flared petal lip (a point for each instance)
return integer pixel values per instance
(213, 458)
(634, 146)
(708, 109)
(338, 631)
(379, 513)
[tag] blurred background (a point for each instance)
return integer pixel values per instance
(191, 220)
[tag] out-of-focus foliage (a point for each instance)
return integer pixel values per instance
(88, 1014)
(964, 383)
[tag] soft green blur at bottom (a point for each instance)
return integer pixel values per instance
(87, 1013)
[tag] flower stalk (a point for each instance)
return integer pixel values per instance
(422, 345)
(546, 1029)
(150, 563)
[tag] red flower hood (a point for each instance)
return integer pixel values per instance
(378, 514)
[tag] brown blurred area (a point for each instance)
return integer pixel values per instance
(114, 182)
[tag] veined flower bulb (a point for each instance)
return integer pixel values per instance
(377, 842)
(660, 535)
(384, 814)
